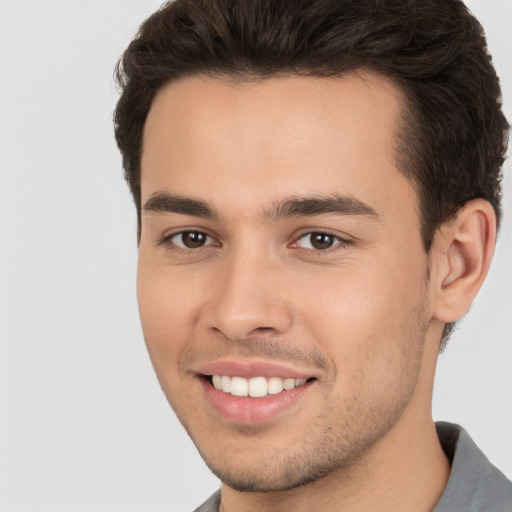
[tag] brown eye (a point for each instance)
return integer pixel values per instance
(191, 239)
(319, 241)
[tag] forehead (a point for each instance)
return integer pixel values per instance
(219, 139)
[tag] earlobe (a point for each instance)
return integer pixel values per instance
(463, 252)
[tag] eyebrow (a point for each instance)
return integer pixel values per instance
(163, 202)
(320, 205)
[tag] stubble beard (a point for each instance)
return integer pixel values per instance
(332, 450)
(337, 443)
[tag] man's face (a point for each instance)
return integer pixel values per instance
(281, 247)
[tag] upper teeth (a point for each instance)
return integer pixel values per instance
(255, 387)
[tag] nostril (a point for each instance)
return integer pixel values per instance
(262, 330)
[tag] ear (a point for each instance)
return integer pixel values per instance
(460, 259)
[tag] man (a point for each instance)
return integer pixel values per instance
(318, 193)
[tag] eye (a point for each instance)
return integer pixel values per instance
(319, 241)
(190, 239)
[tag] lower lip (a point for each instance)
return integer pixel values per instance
(252, 411)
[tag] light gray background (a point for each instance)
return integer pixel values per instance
(83, 424)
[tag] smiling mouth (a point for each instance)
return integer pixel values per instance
(255, 387)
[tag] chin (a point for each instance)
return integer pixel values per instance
(279, 470)
(269, 478)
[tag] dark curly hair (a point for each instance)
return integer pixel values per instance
(453, 135)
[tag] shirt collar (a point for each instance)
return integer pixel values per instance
(475, 485)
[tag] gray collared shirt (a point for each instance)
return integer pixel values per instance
(475, 485)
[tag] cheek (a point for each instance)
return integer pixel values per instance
(354, 305)
(371, 323)
(165, 306)
(167, 312)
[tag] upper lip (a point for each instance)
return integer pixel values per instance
(250, 369)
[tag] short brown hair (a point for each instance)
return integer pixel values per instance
(454, 135)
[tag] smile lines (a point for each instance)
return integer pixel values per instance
(256, 387)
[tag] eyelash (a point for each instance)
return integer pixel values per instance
(172, 246)
(339, 242)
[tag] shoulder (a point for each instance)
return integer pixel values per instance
(475, 485)
(212, 504)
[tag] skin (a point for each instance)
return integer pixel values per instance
(362, 317)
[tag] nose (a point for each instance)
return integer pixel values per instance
(248, 299)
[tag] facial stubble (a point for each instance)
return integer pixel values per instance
(336, 441)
